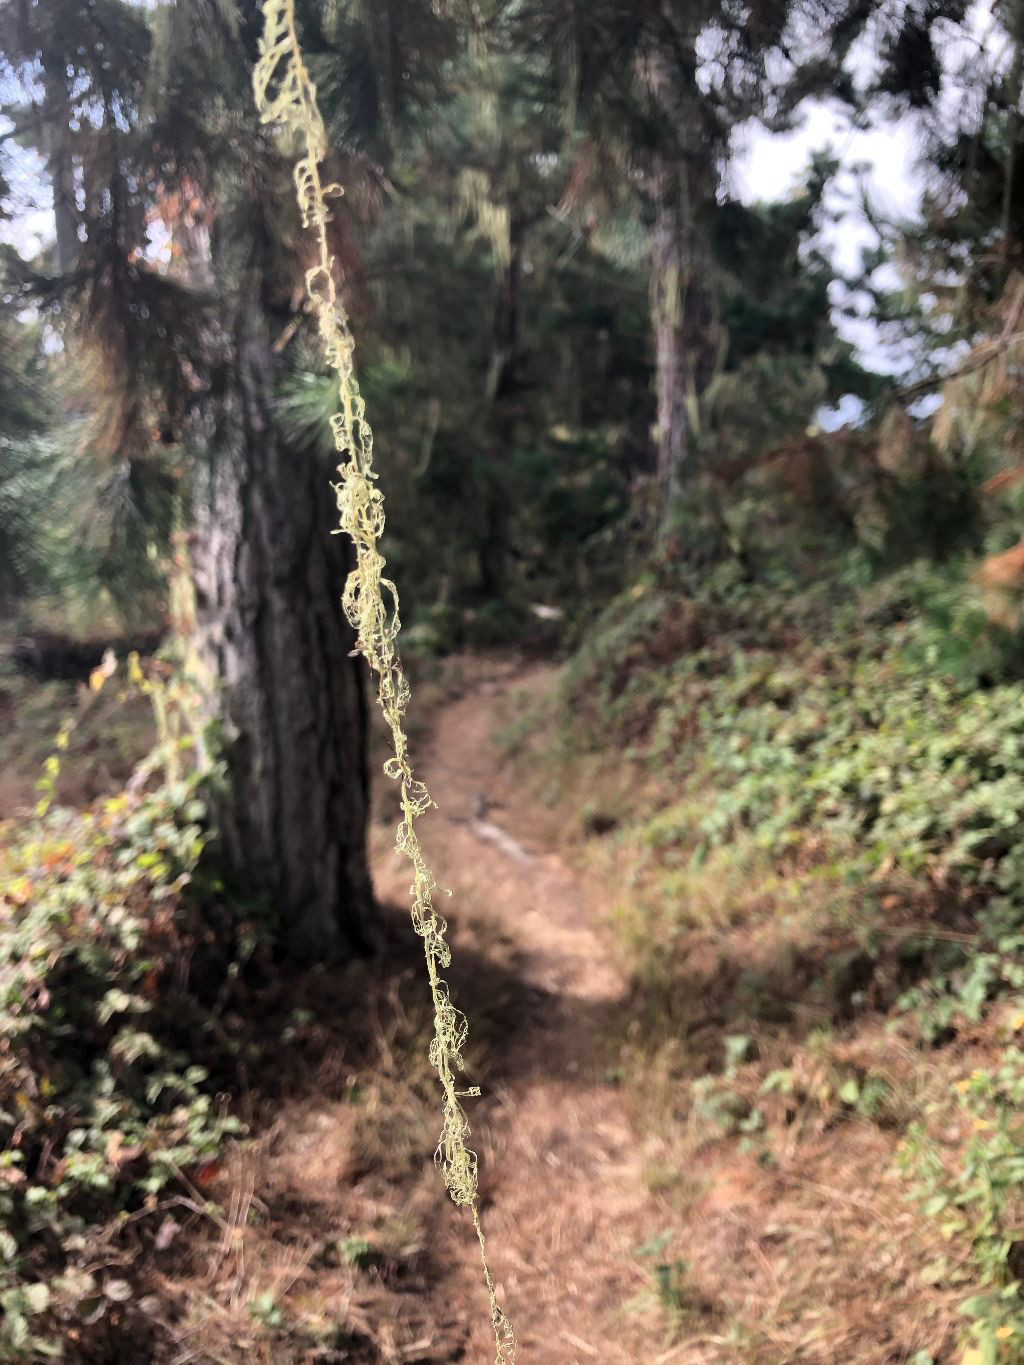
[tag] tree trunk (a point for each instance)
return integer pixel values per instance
(272, 638)
(1014, 83)
(683, 182)
(672, 378)
(60, 166)
(504, 380)
(684, 325)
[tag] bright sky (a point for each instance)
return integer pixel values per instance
(887, 155)
(772, 166)
(765, 166)
(32, 207)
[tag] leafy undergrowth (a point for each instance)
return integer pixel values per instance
(192, 1166)
(813, 810)
(112, 737)
(107, 1121)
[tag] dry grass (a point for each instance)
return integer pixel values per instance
(328, 1237)
(313, 1241)
(789, 1232)
(800, 1232)
(115, 733)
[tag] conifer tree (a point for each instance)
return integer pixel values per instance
(653, 93)
(174, 274)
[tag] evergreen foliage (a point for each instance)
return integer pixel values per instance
(597, 380)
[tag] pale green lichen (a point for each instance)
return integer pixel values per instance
(286, 98)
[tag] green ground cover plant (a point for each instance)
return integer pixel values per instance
(112, 982)
(824, 891)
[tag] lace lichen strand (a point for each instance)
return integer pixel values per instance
(286, 96)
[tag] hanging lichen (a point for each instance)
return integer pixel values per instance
(286, 96)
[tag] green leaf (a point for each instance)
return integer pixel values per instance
(36, 1297)
(655, 1246)
(849, 1092)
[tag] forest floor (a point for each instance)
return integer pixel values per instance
(622, 1227)
(566, 1206)
(617, 1232)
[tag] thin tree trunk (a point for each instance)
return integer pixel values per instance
(61, 167)
(1013, 135)
(671, 370)
(494, 548)
(682, 185)
(273, 641)
(684, 326)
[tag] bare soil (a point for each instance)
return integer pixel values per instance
(616, 1231)
(567, 1203)
(337, 1241)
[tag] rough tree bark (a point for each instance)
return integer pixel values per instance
(683, 181)
(683, 319)
(272, 637)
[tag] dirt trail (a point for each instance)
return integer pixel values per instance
(787, 1261)
(565, 1199)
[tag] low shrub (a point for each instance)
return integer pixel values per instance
(109, 985)
(821, 864)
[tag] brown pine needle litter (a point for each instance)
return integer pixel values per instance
(286, 97)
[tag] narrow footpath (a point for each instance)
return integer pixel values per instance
(566, 1204)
